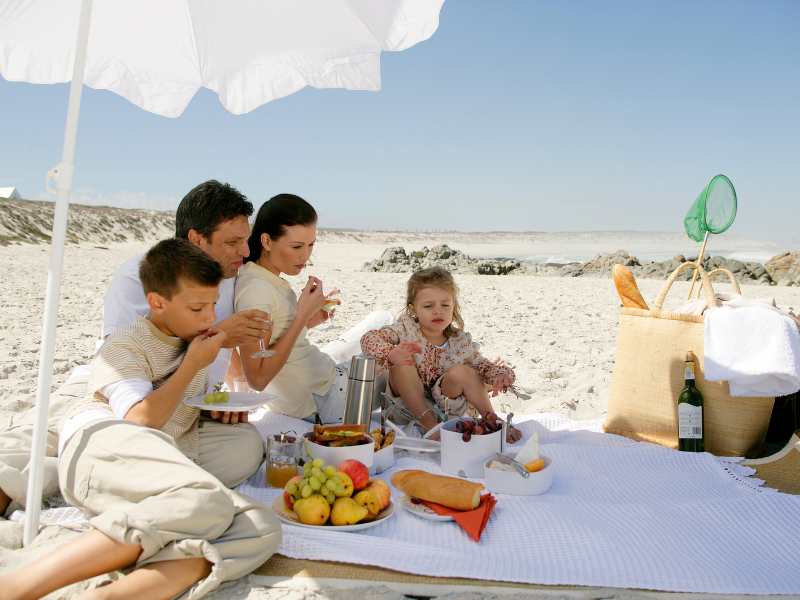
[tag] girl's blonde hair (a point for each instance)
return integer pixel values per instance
(436, 277)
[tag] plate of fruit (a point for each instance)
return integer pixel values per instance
(219, 400)
(343, 497)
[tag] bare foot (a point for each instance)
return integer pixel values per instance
(513, 435)
(4, 502)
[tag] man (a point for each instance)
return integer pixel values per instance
(214, 217)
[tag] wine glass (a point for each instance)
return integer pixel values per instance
(262, 352)
(330, 308)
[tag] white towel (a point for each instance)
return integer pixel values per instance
(753, 346)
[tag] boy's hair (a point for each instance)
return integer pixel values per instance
(208, 205)
(169, 261)
(274, 216)
(436, 277)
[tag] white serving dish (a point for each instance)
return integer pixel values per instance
(510, 482)
(364, 453)
(466, 459)
(383, 459)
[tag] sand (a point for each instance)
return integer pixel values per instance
(558, 333)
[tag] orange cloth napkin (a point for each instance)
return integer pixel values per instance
(473, 522)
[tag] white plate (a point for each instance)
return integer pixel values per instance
(288, 516)
(422, 511)
(237, 402)
(416, 444)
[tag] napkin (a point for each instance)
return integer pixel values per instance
(473, 522)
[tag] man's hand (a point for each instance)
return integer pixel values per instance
(204, 348)
(246, 327)
(403, 354)
(228, 417)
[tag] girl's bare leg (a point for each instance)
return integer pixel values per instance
(464, 380)
(167, 579)
(406, 383)
(93, 553)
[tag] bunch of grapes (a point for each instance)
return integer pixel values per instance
(468, 427)
(216, 398)
(319, 478)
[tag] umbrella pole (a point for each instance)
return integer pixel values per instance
(700, 263)
(62, 175)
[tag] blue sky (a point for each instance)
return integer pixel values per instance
(516, 115)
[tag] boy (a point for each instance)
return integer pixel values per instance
(150, 505)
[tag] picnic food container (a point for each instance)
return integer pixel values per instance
(502, 481)
(335, 455)
(383, 459)
(648, 375)
(466, 459)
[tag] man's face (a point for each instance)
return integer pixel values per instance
(227, 244)
(189, 312)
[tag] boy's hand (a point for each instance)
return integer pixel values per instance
(229, 417)
(204, 348)
(403, 354)
(245, 327)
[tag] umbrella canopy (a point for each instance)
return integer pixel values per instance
(158, 54)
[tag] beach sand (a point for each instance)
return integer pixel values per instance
(558, 333)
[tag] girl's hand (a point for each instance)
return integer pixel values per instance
(403, 354)
(501, 383)
(311, 299)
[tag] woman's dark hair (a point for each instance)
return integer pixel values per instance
(274, 216)
(208, 205)
(169, 261)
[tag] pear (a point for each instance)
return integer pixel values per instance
(347, 511)
(313, 510)
(375, 497)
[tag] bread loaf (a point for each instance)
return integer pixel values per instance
(627, 289)
(447, 491)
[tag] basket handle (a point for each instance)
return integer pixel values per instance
(705, 284)
(735, 284)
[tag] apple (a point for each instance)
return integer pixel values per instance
(357, 471)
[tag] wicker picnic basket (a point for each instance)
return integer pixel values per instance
(648, 377)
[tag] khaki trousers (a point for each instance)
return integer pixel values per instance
(138, 488)
(229, 452)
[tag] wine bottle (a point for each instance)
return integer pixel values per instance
(690, 411)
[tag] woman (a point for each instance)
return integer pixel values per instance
(305, 379)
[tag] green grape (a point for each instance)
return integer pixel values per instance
(318, 462)
(330, 485)
(339, 491)
(330, 497)
(291, 488)
(306, 491)
(330, 471)
(315, 484)
(316, 472)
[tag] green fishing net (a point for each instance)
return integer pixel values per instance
(713, 211)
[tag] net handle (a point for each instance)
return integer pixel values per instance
(705, 284)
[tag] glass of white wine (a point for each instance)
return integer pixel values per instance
(262, 351)
(330, 307)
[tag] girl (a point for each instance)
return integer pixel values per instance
(305, 379)
(435, 369)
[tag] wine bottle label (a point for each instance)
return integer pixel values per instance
(690, 422)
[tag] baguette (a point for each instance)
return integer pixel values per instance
(627, 289)
(447, 491)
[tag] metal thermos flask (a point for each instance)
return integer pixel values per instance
(360, 390)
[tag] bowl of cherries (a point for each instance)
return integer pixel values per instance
(467, 443)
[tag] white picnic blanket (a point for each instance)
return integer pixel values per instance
(619, 514)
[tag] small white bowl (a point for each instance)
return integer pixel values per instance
(384, 459)
(334, 456)
(501, 481)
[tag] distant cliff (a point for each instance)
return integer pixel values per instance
(28, 222)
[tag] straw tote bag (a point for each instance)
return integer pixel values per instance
(649, 375)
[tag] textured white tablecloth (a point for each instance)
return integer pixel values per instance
(619, 514)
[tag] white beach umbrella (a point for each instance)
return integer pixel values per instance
(158, 53)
